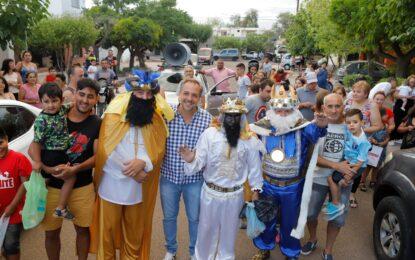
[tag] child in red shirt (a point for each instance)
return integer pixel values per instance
(15, 169)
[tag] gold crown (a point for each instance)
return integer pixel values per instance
(233, 106)
(282, 99)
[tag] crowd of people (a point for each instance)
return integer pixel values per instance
(19, 81)
(284, 147)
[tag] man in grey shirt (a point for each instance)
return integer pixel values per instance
(331, 149)
(257, 104)
(307, 96)
(106, 73)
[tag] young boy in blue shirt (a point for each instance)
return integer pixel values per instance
(355, 152)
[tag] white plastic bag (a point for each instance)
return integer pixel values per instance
(254, 226)
(4, 222)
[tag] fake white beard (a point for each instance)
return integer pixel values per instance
(283, 124)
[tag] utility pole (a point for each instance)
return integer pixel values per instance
(298, 5)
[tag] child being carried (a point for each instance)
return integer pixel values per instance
(355, 152)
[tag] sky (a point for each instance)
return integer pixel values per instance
(201, 10)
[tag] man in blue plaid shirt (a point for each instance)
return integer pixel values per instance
(188, 124)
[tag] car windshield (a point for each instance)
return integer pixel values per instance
(204, 53)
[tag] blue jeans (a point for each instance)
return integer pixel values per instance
(170, 194)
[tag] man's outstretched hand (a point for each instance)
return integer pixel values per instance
(187, 154)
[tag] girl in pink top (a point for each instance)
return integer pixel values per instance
(28, 92)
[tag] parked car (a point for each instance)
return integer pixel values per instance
(279, 52)
(361, 67)
(393, 201)
(205, 56)
(227, 54)
(252, 55)
(286, 61)
(170, 78)
(17, 119)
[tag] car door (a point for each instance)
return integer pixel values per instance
(17, 121)
(223, 54)
(215, 99)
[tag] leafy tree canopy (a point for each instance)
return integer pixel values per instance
(17, 19)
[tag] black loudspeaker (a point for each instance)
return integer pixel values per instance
(177, 54)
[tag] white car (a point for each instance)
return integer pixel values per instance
(286, 61)
(17, 119)
(169, 80)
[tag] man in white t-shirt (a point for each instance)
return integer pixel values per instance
(331, 149)
(385, 87)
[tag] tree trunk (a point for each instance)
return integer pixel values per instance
(141, 60)
(132, 56)
(402, 66)
(119, 54)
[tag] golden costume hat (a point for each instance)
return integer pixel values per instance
(283, 99)
(233, 106)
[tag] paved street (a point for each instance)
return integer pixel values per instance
(354, 241)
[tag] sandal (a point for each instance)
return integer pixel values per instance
(363, 187)
(353, 203)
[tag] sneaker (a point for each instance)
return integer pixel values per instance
(332, 209)
(308, 248)
(327, 256)
(262, 255)
(169, 256)
(63, 213)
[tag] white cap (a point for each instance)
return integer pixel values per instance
(311, 77)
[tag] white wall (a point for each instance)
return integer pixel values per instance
(64, 7)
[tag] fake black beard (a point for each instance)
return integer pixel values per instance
(232, 133)
(140, 111)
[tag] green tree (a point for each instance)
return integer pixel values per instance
(236, 20)
(54, 35)
(258, 42)
(250, 19)
(223, 42)
(200, 33)
(119, 6)
(137, 35)
(380, 26)
(18, 18)
(175, 22)
(284, 21)
(299, 39)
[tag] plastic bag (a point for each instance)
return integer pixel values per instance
(35, 204)
(4, 222)
(254, 227)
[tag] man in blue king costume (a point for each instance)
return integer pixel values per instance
(287, 166)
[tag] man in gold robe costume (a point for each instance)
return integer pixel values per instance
(130, 152)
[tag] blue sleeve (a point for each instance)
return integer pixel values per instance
(312, 133)
(364, 148)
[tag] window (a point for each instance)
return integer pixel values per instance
(76, 4)
(16, 121)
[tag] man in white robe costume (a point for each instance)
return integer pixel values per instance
(229, 156)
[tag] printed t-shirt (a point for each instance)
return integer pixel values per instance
(13, 166)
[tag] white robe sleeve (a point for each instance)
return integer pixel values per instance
(202, 149)
(254, 165)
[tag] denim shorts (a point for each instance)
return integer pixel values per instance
(11, 244)
(318, 196)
